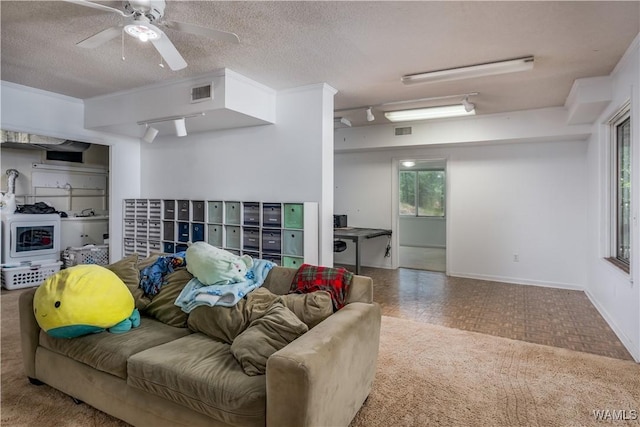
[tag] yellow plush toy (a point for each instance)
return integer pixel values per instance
(84, 299)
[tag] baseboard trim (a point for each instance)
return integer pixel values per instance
(519, 281)
(635, 352)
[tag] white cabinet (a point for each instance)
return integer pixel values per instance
(77, 232)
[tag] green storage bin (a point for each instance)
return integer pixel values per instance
(232, 213)
(214, 212)
(232, 237)
(293, 242)
(294, 215)
(214, 235)
(293, 262)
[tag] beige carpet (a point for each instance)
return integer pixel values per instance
(427, 375)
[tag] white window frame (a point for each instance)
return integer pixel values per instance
(621, 115)
(417, 201)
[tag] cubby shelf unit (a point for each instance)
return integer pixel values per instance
(285, 233)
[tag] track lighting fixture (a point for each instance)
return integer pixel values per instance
(464, 108)
(468, 106)
(150, 134)
(370, 116)
(181, 127)
(179, 124)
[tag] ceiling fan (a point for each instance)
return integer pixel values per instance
(142, 21)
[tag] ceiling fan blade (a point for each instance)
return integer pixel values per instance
(101, 37)
(98, 6)
(224, 36)
(169, 52)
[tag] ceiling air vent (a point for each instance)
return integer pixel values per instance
(202, 93)
(403, 131)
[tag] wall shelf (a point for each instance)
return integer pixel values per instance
(285, 233)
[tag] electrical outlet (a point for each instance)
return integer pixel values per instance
(516, 258)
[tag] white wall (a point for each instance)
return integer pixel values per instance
(615, 293)
(285, 162)
(521, 198)
(422, 232)
(44, 113)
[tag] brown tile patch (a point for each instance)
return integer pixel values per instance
(541, 315)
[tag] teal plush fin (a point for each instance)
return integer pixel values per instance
(135, 318)
(121, 327)
(132, 321)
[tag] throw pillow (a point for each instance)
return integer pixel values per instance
(264, 336)
(311, 278)
(162, 306)
(311, 308)
(224, 324)
(126, 269)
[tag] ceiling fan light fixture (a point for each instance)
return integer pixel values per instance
(440, 112)
(479, 70)
(143, 32)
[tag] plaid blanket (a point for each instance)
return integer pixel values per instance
(311, 278)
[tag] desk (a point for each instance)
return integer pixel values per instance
(357, 235)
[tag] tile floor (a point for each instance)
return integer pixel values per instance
(542, 315)
(432, 259)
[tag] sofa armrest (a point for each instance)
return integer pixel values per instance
(323, 377)
(29, 332)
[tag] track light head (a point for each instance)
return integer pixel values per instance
(468, 106)
(150, 134)
(181, 126)
(370, 116)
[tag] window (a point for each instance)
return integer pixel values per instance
(422, 193)
(621, 191)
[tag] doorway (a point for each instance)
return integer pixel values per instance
(422, 214)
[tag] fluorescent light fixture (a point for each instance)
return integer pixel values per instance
(370, 116)
(479, 70)
(428, 113)
(181, 127)
(150, 134)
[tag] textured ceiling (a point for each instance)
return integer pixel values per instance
(360, 48)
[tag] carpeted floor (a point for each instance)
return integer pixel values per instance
(426, 375)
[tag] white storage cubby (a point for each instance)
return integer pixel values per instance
(285, 233)
(142, 226)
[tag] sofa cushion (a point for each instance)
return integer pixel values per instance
(127, 270)
(311, 308)
(162, 307)
(109, 352)
(276, 328)
(202, 374)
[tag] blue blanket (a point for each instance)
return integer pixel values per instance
(196, 294)
(152, 278)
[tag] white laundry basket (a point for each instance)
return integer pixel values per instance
(28, 276)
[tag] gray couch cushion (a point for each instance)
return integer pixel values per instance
(109, 352)
(202, 374)
(264, 336)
